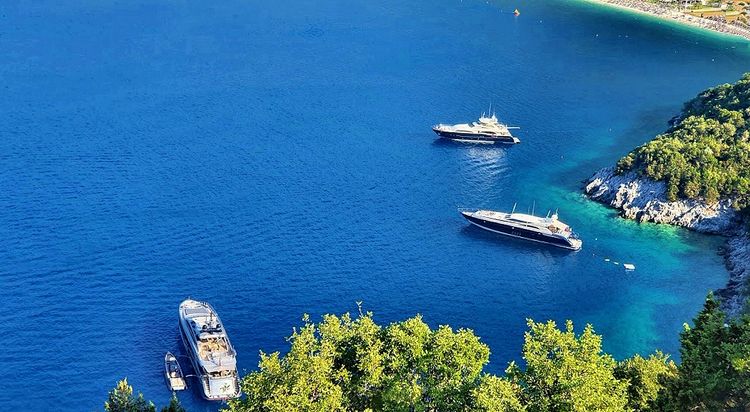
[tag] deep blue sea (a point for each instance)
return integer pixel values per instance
(275, 158)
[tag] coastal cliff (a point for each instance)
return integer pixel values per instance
(645, 200)
(734, 295)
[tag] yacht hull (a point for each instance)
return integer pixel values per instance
(475, 137)
(517, 232)
(193, 356)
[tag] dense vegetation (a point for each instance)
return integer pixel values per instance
(354, 364)
(121, 399)
(346, 364)
(706, 153)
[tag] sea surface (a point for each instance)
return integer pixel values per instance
(275, 158)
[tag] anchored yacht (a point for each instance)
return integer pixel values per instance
(211, 353)
(538, 229)
(486, 130)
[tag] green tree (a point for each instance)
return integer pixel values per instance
(494, 394)
(706, 153)
(567, 373)
(430, 370)
(174, 405)
(121, 399)
(355, 365)
(305, 379)
(405, 346)
(714, 374)
(647, 380)
(359, 354)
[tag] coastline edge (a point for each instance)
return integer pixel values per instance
(644, 200)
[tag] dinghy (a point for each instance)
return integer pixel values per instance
(173, 373)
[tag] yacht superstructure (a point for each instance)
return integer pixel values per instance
(486, 130)
(547, 229)
(210, 351)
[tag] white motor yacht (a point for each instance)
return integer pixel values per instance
(211, 353)
(547, 229)
(486, 130)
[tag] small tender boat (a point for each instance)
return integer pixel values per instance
(173, 373)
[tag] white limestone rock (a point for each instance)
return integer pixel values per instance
(645, 200)
(737, 256)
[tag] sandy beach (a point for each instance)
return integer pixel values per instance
(668, 13)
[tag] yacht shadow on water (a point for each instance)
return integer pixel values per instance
(516, 245)
(442, 142)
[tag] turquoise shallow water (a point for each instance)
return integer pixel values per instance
(275, 158)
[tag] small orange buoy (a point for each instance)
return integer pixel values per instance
(516, 12)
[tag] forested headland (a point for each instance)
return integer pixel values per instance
(706, 152)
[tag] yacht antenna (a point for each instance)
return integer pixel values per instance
(514, 208)
(533, 206)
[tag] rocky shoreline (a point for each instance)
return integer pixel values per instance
(670, 13)
(645, 200)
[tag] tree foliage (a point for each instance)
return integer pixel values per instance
(565, 372)
(714, 374)
(121, 399)
(353, 364)
(174, 405)
(706, 153)
(495, 394)
(347, 363)
(647, 379)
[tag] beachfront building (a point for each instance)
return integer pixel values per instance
(731, 11)
(692, 3)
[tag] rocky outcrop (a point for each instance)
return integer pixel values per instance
(645, 200)
(737, 256)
